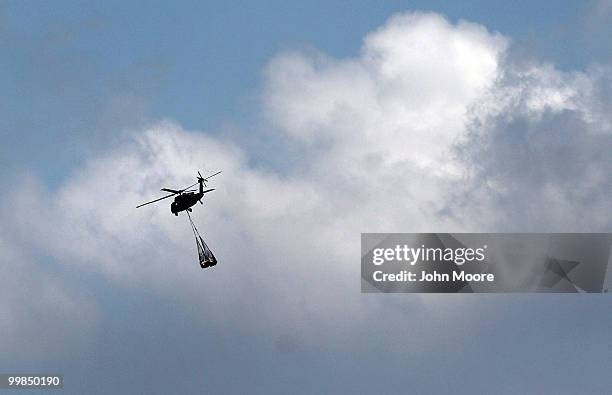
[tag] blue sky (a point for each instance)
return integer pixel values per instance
(326, 124)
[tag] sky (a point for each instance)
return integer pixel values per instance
(328, 119)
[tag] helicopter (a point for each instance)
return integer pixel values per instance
(185, 198)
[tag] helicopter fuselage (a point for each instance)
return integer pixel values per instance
(184, 201)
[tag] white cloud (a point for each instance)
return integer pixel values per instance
(410, 87)
(537, 151)
(427, 129)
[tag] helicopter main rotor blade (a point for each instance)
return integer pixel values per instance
(177, 191)
(195, 190)
(156, 200)
(212, 175)
(184, 189)
(170, 190)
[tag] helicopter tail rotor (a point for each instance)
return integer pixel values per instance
(201, 179)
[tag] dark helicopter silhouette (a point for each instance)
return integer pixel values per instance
(185, 198)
